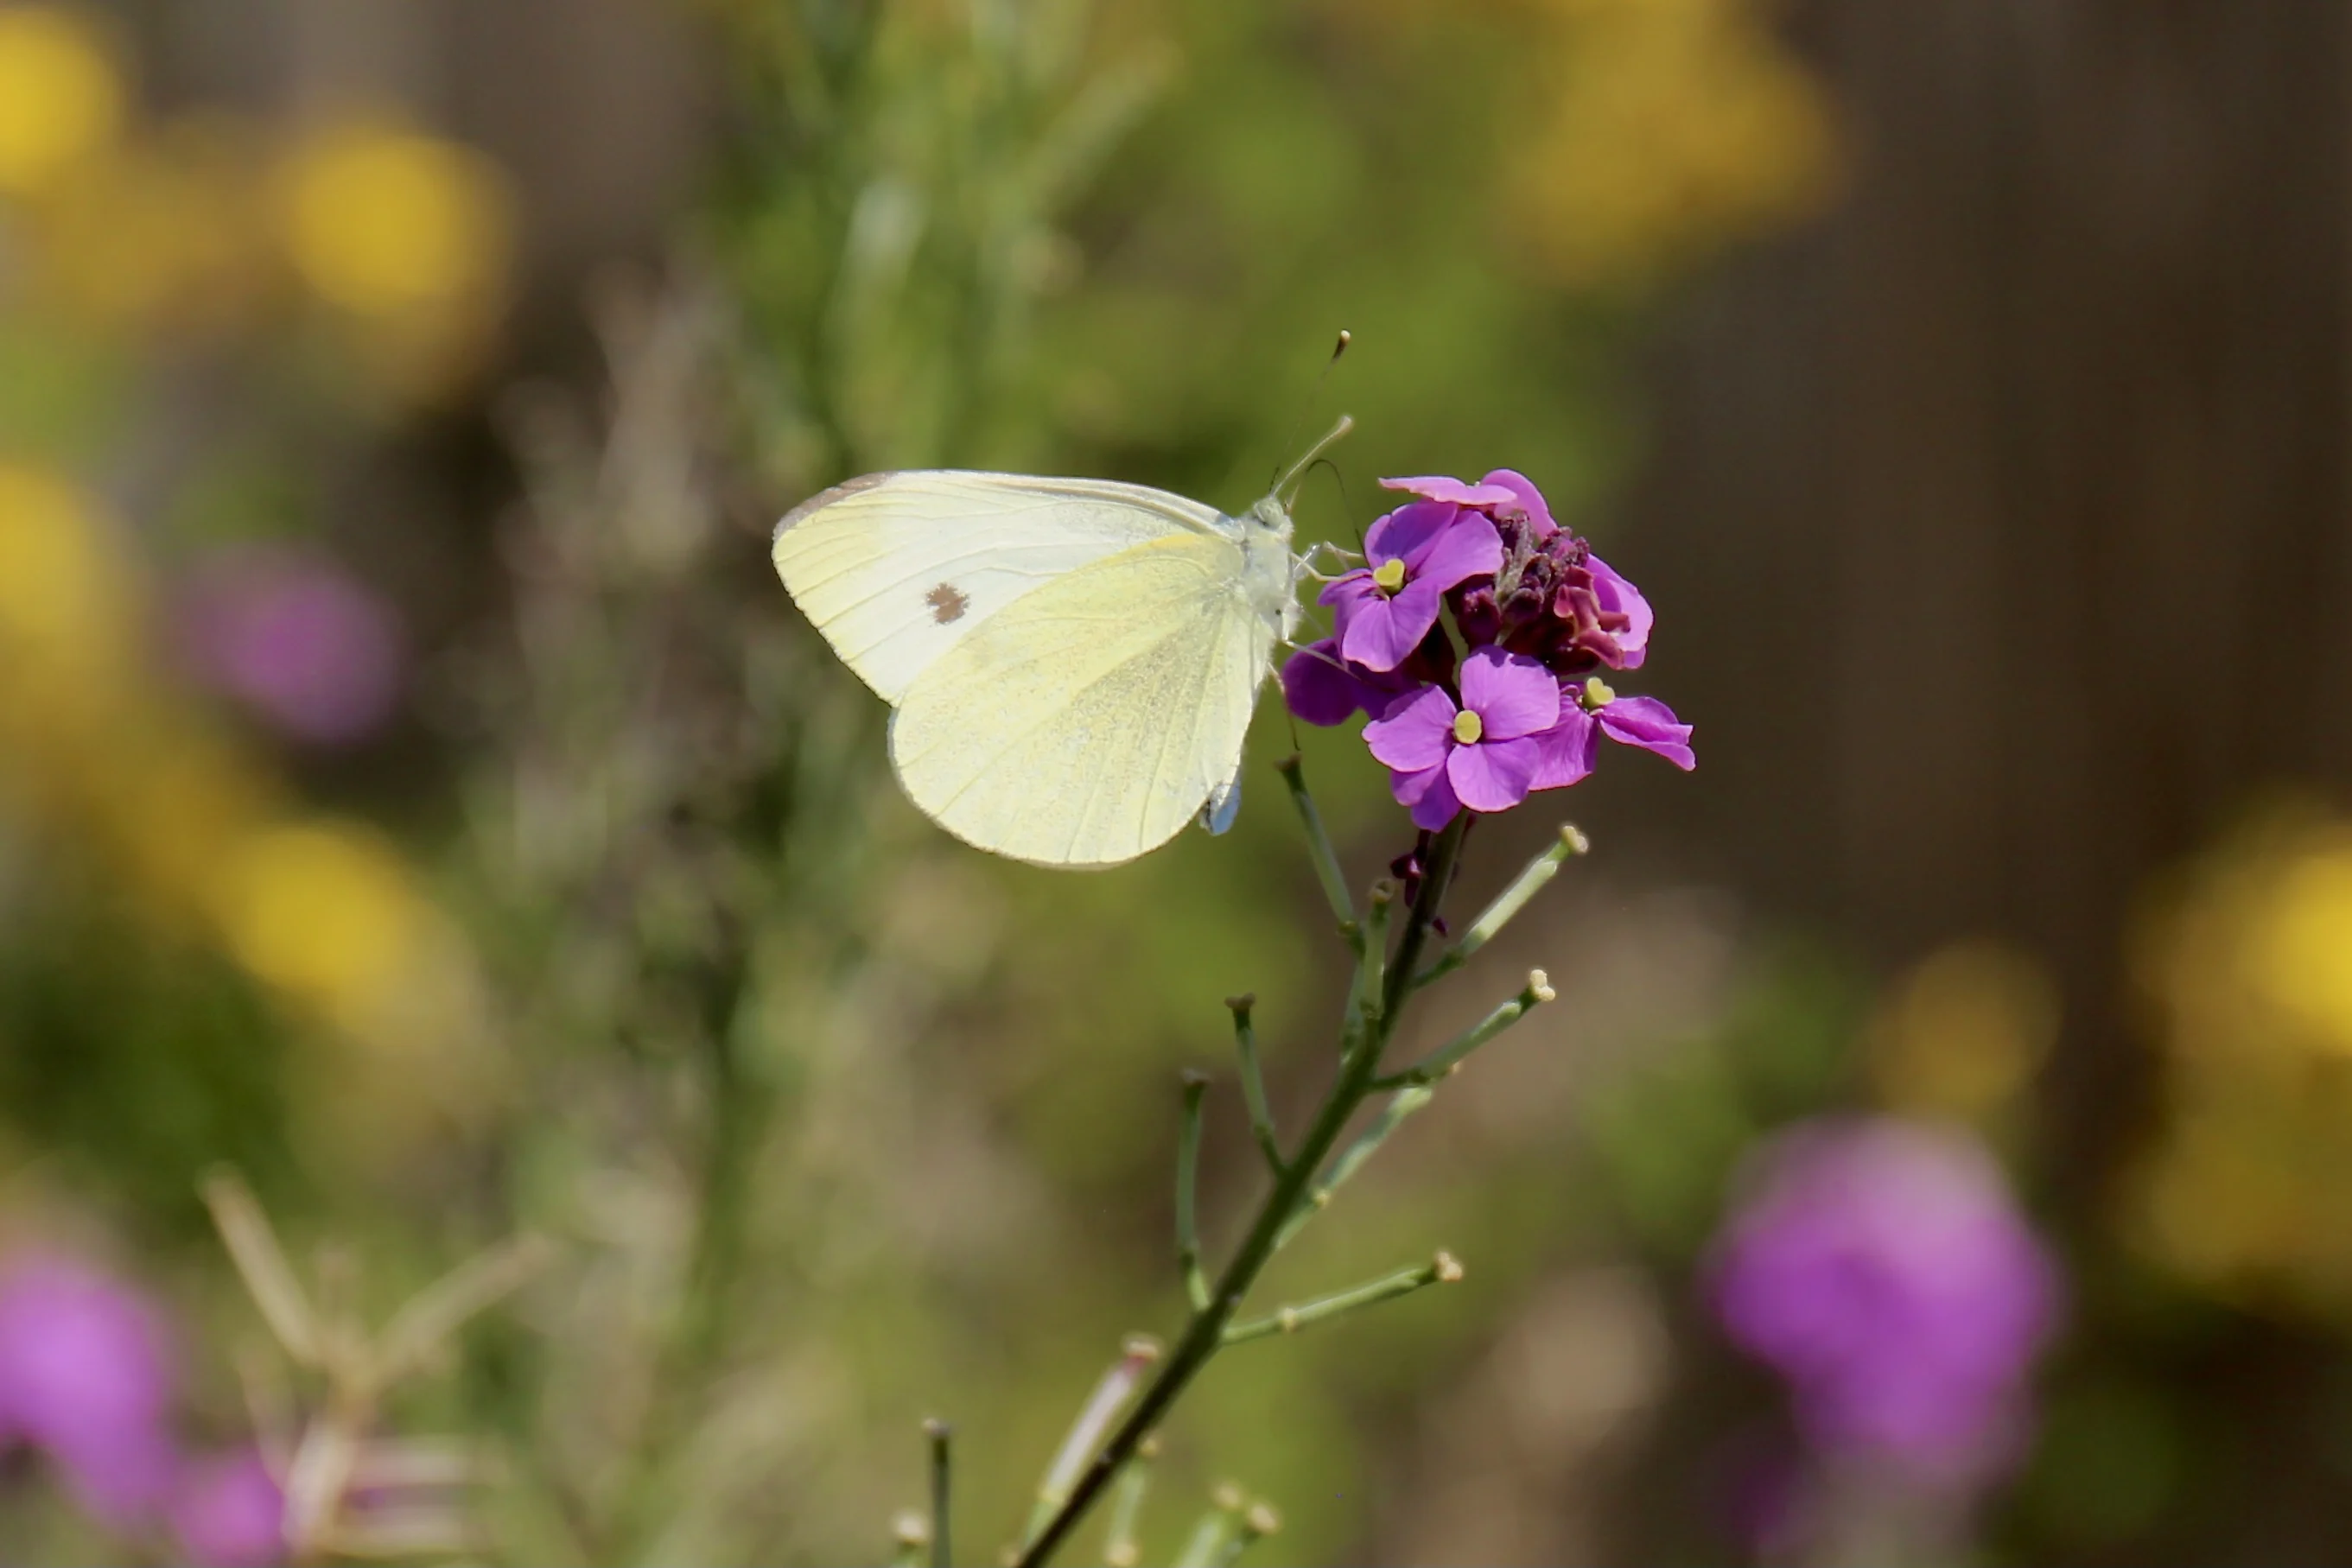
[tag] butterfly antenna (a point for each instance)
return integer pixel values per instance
(1330, 439)
(1324, 375)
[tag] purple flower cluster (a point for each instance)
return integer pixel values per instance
(1883, 1268)
(86, 1380)
(1510, 701)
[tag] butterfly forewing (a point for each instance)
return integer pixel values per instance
(898, 568)
(1087, 721)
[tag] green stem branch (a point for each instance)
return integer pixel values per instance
(1204, 1335)
(1261, 1114)
(1318, 847)
(1188, 1168)
(1440, 1270)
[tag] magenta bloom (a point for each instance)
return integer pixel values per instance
(229, 1513)
(1572, 746)
(1416, 553)
(1882, 1267)
(1618, 609)
(300, 642)
(1483, 753)
(1453, 492)
(86, 1376)
(1323, 689)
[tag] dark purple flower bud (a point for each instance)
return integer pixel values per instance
(1477, 614)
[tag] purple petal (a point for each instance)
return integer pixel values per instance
(1651, 725)
(1415, 733)
(1469, 548)
(1349, 590)
(1495, 775)
(1570, 748)
(1525, 498)
(1382, 633)
(1318, 688)
(229, 1513)
(1439, 488)
(1615, 593)
(1511, 694)
(1429, 794)
(1407, 533)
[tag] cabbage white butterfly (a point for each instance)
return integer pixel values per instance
(1072, 663)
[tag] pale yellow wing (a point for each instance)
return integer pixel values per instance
(897, 568)
(1089, 720)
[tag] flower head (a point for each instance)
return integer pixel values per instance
(1590, 710)
(86, 1377)
(1415, 553)
(229, 1513)
(1480, 706)
(297, 640)
(1481, 753)
(1882, 1267)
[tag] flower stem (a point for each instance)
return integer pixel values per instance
(1188, 1166)
(1351, 1158)
(1120, 1549)
(1261, 1115)
(1448, 1057)
(1318, 845)
(1205, 1334)
(939, 1433)
(1509, 902)
(1439, 1271)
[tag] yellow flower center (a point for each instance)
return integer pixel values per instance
(1597, 694)
(1388, 576)
(1468, 726)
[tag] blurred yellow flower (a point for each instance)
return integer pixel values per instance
(59, 98)
(2251, 966)
(1960, 1035)
(1675, 126)
(381, 221)
(2299, 954)
(321, 910)
(168, 227)
(65, 606)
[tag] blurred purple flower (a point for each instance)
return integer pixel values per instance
(1883, 1268)
(86, 1376)
(1572, 747)
(1383, 609)
(299, 640)
(1482, 754)
(229, 1513)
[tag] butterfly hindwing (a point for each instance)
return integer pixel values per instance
(1088, 720)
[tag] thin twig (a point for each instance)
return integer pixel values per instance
(1440, 1270)
(1530, 880)
(1188, 1166)
(940, 1434)
(1261, 1114)
(1319, 845)
(1449, 1056)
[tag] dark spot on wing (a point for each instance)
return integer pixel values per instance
(948, 603)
